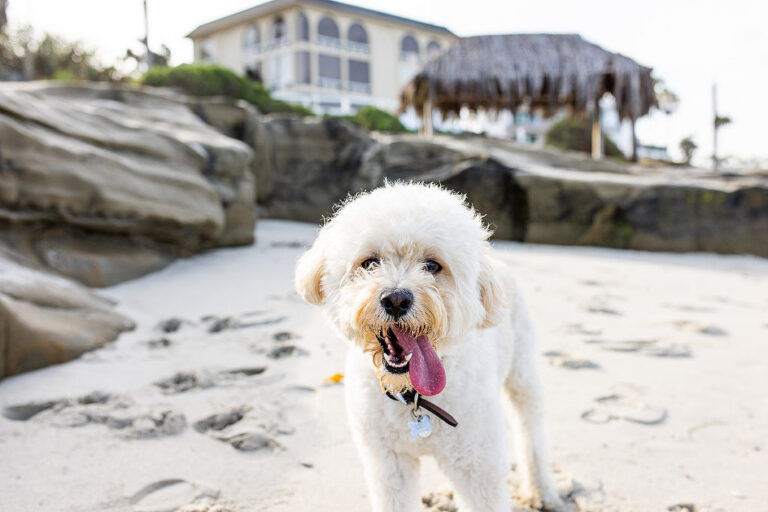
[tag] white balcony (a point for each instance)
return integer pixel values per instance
(361, 87)
(329, 42)
(329, 83)
(362, 48)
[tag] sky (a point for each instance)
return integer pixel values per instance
(690, 44)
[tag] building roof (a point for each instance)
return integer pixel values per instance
(276, 5)
(549, 71)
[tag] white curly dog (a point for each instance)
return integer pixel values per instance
(406, 274)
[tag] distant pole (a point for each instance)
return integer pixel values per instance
(715, 161)
(634, 141)
(148, 54)
(597, 133)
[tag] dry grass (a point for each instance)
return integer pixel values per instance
(543, 71)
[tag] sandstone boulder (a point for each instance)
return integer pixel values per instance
(540, 196)
(303, 165)
(107, 182)
(46, 319)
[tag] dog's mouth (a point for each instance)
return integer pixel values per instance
(404, 351)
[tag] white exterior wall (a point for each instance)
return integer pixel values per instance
(387, 72)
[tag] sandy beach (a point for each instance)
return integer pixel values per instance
(654, 366)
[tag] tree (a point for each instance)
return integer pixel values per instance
(3, 14)
(688, 146)
(23, 56)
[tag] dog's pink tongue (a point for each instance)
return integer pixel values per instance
(426, 370)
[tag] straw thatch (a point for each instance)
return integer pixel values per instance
(547, 71)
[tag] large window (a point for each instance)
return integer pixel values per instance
(302, 27)
(329, 71)
(433, 49)
(359, 76)
(328, 33)
(409, 48)
(251, 39)
(357, 38)
(303, 70)
(277, 32)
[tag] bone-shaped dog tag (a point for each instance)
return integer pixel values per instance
(422, 427)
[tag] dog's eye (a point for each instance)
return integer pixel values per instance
(370, 263)
(432, 266)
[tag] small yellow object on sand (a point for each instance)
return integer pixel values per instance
(334, 379)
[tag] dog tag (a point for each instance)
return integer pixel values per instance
(422, 427)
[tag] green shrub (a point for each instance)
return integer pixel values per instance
(214, 80)
(371, 118)
(576, 135)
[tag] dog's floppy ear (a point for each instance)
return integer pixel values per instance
(309, 273)
(492, 295)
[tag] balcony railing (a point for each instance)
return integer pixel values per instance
(277, 43)
(330, 42)
(356, 47)
(329, 83)
(362, 87)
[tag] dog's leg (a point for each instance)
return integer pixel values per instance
(522, 384)
(392, 480)
(474, 457)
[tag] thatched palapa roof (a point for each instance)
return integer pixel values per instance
(499, 72)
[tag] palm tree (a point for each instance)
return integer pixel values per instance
(688, 146)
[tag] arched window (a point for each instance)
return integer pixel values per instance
(357, 38)
(409, 48)
(252, 38)
(302, 27)
(328, 32)
(433, 49)
(277, 31)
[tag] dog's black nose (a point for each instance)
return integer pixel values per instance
(397, 303)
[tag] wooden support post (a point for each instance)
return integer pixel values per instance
(634, 141)
(597, 138)
(426, 120)
(597, 132)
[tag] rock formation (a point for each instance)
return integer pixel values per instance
(105, 183)
(46, 319)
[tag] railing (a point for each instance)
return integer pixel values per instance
(331, 42)
(362, 87)
(356, 47)
(277, 43)
(329, 83)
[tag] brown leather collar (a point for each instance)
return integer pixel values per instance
(409, 396)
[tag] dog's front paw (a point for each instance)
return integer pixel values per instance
(534, 500)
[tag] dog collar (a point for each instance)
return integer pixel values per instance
(412, 397)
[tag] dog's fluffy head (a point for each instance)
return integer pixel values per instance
(401, 271)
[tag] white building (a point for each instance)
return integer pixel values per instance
(326, 55)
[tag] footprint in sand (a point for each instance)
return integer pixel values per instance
(182, 382)
(177, 495)
(618, 407)
(682, 507)
(647, 347)
(563, 360)
(577, 328)
(170, 325)
(244, 433)
(241, 321)
(604, 310)
(116, 412)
